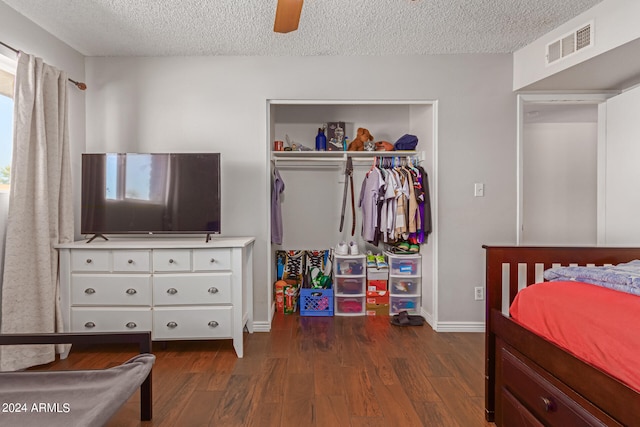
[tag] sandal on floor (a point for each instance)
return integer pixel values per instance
(405, 319)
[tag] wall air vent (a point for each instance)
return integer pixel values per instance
(570, 43)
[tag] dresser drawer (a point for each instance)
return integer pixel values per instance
(120, 289)
(543, 399)
(110, 319)
(211, 259)
(172, 260)
(515, 414)
(131, 261)
(90, 260)
(192, 289)
(191, 322)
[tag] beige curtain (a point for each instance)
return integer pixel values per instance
(40, 210)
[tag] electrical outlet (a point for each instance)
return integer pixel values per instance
(479, 293)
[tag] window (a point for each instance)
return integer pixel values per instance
(7, 77)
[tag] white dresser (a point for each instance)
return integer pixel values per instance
(179, 289)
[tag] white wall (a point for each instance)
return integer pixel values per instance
(559, 183)
(219, 104)
(22, 34)
(615, 23)
(622, 174)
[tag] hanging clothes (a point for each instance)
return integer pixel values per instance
(368, 203)
(395, 202)
(276, 209)
(426, 217)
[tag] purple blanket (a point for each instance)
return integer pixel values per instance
(622, 277)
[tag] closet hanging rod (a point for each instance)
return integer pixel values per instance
(79, 85)
(309, 159)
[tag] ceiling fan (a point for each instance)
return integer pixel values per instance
(287, 16)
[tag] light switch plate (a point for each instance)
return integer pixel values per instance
(478, 189)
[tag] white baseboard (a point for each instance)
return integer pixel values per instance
(265, 326)
(460, 327)
(428, 318)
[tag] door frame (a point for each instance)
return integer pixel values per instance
(598, 99)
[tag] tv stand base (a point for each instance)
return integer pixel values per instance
(97, 235)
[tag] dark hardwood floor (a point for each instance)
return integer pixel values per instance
(310, 371)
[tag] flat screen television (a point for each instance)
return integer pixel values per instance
(150, 193)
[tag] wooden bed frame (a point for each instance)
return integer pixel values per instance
(530, 381)
(143, 339)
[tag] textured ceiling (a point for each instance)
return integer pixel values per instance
(327, 27)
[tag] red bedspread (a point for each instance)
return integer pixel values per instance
(598, 325)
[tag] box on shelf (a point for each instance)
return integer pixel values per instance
(380, 297)
(377, 303)
(377, 309)
(376, 286)
(316, 302)
(377, 279)
(374, 273)
(335, 139)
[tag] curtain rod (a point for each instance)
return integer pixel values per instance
(79, 85)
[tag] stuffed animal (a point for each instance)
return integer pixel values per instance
(384, 146)
(362, 136)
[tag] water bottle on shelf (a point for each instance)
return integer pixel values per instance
(321, 141)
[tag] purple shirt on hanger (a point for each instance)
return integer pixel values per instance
(276, 210)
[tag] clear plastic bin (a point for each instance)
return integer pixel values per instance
(404, 286)
(398, 304)
(353, 265)
(404, 265)
(350, 285)
(349, 306)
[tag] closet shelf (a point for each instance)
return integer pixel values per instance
(337, 156)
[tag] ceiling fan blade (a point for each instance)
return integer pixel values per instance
(287, 16)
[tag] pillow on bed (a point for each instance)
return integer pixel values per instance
(623, 277)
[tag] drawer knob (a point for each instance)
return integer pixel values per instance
(213, 290)
(549, 405)
(131, 291)
(213, 323)
(130, 261)
(171, 261)
(89, 291)
(131, 325)
(89, 325)
(172, 291)
(172, 325)
(212, 260)
(89, 261)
